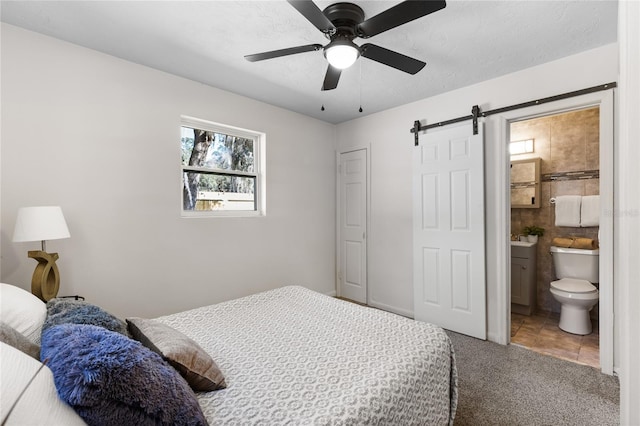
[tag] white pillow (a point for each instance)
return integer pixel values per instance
(40, 404)
(23, 311)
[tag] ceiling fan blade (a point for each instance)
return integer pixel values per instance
(331, 78)
(282, 52)
(309, 10)
(391, 58)
(397, 15)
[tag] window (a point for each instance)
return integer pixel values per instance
(222, 170)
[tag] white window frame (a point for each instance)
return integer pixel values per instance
(259, 142)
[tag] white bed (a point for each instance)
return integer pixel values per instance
(288, 356)
(294, 356)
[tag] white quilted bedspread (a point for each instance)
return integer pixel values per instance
(292, 356)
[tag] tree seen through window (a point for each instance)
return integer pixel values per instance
(214, 164)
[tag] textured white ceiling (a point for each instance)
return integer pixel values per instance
(465, 43)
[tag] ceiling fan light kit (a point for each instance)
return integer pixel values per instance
(341, 54)
(343, 22)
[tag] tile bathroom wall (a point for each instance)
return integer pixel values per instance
(566, 142)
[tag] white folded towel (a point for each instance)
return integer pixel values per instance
(568, 210)
(590, 211)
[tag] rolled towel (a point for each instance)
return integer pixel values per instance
(568, 210)
(590, 211)
(575, 242)
(565, 242)
(585, 243)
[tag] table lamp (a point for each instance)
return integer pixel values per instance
(41, 224)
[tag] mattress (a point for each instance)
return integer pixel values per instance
(297, 357)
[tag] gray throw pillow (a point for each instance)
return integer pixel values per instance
(185, 355)
(12, 337)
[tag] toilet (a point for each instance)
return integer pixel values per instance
(576, 271)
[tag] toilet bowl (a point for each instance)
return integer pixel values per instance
(577, 298)
(576, 269)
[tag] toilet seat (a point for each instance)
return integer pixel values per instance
(572, 285)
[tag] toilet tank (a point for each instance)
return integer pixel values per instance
(576, 263)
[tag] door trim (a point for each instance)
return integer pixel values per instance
(367, 149)
(605, 101)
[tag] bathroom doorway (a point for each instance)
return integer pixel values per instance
(561, 152)
(573, 145)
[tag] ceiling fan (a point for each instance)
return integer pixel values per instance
(341, 23)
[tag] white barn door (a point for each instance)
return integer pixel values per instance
(353, 225)
(448, 230)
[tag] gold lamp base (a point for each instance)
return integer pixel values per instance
(46, 278)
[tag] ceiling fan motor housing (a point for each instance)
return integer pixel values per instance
(345, 17)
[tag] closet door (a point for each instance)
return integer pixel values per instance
(353, 225)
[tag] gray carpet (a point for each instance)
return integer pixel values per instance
(509, 385)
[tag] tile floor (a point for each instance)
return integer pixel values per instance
(540, 333)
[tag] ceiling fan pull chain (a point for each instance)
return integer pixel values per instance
(360, 109)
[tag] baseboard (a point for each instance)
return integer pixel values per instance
(331, 293)
(392, 309)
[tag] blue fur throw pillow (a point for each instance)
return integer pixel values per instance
(63, 311)
(110, 379)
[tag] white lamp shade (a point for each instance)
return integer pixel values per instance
(40, 224)
(341, 56)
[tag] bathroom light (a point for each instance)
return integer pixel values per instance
(521, 147)
(341, 53)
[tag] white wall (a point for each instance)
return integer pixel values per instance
(628, 212)
(100, 137)
(390, 233)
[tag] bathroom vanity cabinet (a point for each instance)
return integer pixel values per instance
(523, 277)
